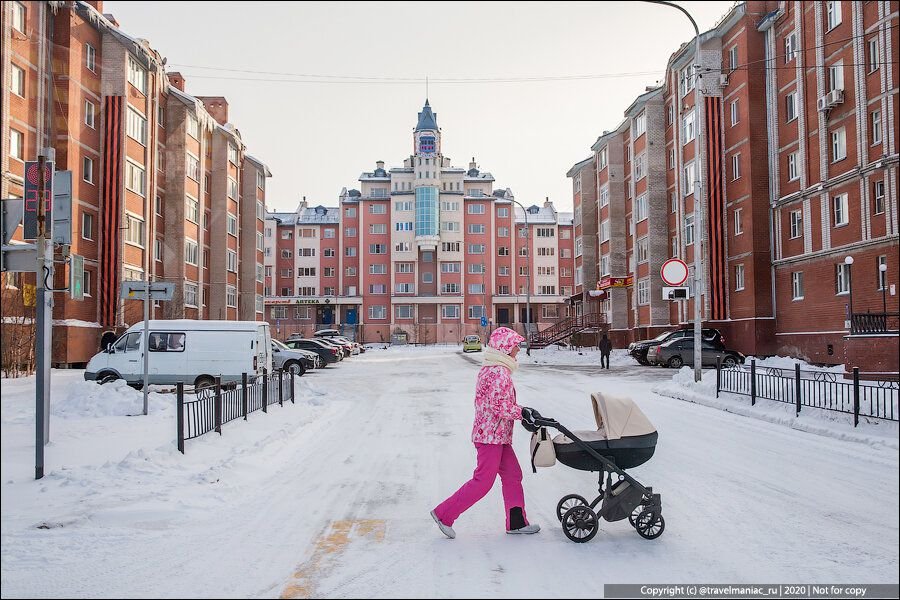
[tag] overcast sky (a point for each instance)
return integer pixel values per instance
(318, 135)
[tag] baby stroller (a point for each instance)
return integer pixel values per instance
(624, 438)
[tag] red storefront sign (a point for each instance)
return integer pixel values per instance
(615, 282)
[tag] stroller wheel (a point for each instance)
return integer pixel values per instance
(580, 524)
(632, 518)
(650, 524)
(567, 502)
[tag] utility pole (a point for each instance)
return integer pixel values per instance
(42, 314)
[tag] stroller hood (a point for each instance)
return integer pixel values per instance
(619, 417)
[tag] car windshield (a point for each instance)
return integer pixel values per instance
(662, 336)
(280, 345)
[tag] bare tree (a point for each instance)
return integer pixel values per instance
(17, 333)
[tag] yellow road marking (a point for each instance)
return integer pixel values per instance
(331, 544)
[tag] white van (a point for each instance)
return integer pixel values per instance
(187, 351)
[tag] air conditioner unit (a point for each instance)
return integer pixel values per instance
(723, 79)
(835, 97)
(822, 103)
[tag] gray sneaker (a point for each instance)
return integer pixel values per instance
(445, 529)
(528, 529)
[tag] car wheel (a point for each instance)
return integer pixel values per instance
(295, 367)
(676, 362)
(644, 362)
(729, 362)
(203, 382)
(106, 377)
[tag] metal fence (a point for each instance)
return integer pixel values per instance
(216, 405)
(817, 389)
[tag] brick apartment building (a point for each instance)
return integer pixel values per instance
(162, 184)
(424, 249)
(799, 171)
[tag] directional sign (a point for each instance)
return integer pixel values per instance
(484, 321)
(32, 181)
(674, 272)
(76, 277)
(136, 290)
(11, 210)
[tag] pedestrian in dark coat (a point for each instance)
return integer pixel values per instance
(605, 351)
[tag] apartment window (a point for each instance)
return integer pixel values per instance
(18, 16)
(404, 206)
(790, 106)
(688, 127)
(231, 260)
(793, 172)
(378, 269)
(873, 55)
(833, 13)
(16, 144)
(503, 271)
(503, 212)
(306, 272)
(686, 80)
(403, 267)
(476, 312)
(350, 232)
(87, 226)
(736, 166)
(878, 198)
(796, 223)
(285, 291)
(192, 166)
(328, 272)
(403, 226)
(137, 126)
(380, 208)
(447, 206)
(193, 126)
(157, 250)
(350, 212)
(18, 81)
(403, 311)
(673, 201)
(876, 127)
(604, 196)
(450, 311)
(797, 285)
(733, 58)
(689, 229)
(377, 249)
(449, 225)
(476, 288)
(643, 250)
(232, 224)
(838, 145)
(377, 312)
(475, 209)
(476, 248)
(674, 247)
(260, 180)
(328, 253)
(260, 278)
(329, 233)
(545, 232)
(406, 247)
(671, 160)
(790, 47)
(503, 290)
(523, 271)
(134, 230)
(476, 228)
(546, 290)
(565, 253)
(503, 232)
(550, 251)
(565, 234)
(604, 265)
(137, 76)
(285, 273)
(306, 291)
(286, 254)
(87, 169)
(450, 267)
(190, 294)
(738, 221)
(641, 208)
(134, 178)
(735, 112)
(687, 181)
(670, 115)
(191, 252)
(350, 272)
(841, 210)
(882, 275)
(230, 296)
(306, 251)
(523, 232)
(640, 167)
(232, 188)
(836, 76)
(604, 231)
(449, 288)
(842, 278)
(287, 234)
(232, 154)
(378, 228)
(643, 292)
(738, 278)
(191, 209)
(639, 126)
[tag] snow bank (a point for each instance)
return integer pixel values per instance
(788, 362)
(555, 355)
(811, 420)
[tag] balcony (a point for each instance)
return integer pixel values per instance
(874, 323)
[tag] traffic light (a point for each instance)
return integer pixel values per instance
(76, 277)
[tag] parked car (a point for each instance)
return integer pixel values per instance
(334, 334)
(638, 350)
(327, 341)
(326, 333)
(290, 359)
(346, 343)
(472, 343)
(328, 353)
(186, 351)
(678, 352)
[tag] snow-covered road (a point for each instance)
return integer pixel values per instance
(330, 498)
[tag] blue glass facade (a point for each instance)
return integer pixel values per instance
(427, 216)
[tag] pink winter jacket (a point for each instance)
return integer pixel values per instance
(495, 396)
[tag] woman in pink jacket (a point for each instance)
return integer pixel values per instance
(496, 412)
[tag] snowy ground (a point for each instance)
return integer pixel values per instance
(330, 497)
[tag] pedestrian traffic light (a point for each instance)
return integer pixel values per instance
(76, 277)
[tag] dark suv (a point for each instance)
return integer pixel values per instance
(638, 350)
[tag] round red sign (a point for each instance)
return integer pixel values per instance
(674, 272)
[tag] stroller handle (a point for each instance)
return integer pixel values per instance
(532, 420)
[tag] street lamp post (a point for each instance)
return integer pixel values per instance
(528, 279)
(698, 200)
(849, 262)
(882, 269)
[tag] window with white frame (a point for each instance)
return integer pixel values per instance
(402, 247)
(476, 228)
(306, 291)
(604, 231)
(137, 75)
(548, 271)
(675, 247)
(833, 13)
(377, 249)
(87, 226)
(134, 230)
(193, 126)
(673, 202)
(260, 180)
(449, 311)
(579, 246)
(503, 271)
(306, 271)
(87, 169)
(503, 212)
(565, 253)
(797, 285)
(604, 264)
(790, 47)
(137, 126)
(232, 224)
(735, 112)
(449, 288)
(286, 254)
(403, 206)
(643, 250)
(733, 58)
(191, 209)
(641, 208)
(192, 166)
(232, 154)
(640, 166)
(378, 208)
(475, 209)
(639, 126)
(232, 188)
(379, 269)
(565, 234)
(671, 159)
(18, 81)
(793, 171)
(738, 221)
(449, 225)
(579, 275)
(350, 232)
(790, 106)
(842, 278)
(688, 127)
(191, 252)
(838, 145)
(476, 248)
(604, 196)
(476, 288)
(601, 159)
(231, 260)
(687, 179)
(190, 294)
(523, 270)
(350, 212)
(377, 288)
(546, 290)
(874, 60)
(836, 76)
(476, 268)
(18, 16)
(689, 229)
(230, 296)
(448, 207)
(16, 144)
(643, 292)
(736, 166)
(796, 223)
(738, 278)
(841, 210)
(135, 178)
(686, 80)
(90, 115)
(404, 311)
(876, 127)
(545, 232)
(878, 197)
(378, 228)
(403, 267)
(450, 267)
(306, 251)
(503, 232)
(329, 233)
(403, 288)
(476, 311)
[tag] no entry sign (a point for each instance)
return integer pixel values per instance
(674, 272)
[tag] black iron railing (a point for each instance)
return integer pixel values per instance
(213, 406)
(565, 328)
(816, 389)
(867, 323)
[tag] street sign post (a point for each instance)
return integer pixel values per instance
(484, 321)
(37, 187)
(137, 290)
(674, 272)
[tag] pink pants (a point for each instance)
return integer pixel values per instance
(493, 459)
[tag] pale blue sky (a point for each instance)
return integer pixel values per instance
(317, 137)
